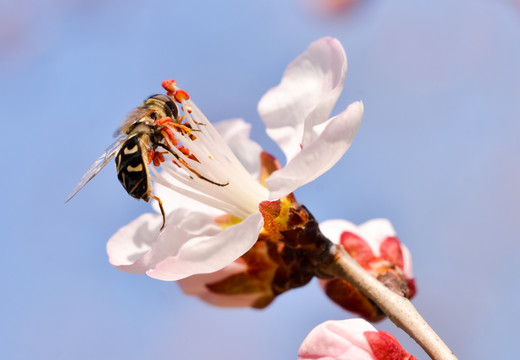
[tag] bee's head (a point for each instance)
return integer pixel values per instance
(166, 102)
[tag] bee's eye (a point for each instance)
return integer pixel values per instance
(170, 104)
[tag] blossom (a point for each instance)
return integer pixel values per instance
(353, 339)
(335, 6)
(376, 248)
(222, 170)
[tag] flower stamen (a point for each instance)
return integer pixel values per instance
(205, 156)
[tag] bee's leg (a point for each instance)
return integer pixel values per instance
(162, 210)
(189, 167)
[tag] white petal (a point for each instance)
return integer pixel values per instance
(320, 155)
(332, 229)
(377, 229)
(236, 134)
(130, 243)
(374, 232)
(173, 200)
(306, 95)
(181, 226)
(407, 262)
(184, 254)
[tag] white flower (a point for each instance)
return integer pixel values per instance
(221, 172)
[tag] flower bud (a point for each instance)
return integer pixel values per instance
(350, 339)
(376, 248)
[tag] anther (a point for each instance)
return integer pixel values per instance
(169, 85)
(169, 135)
(164, 120)
(150, 154)
(160, 155)
(181, 95)
(183, 150)
(158, 158)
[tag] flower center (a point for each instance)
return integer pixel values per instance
(201, 165)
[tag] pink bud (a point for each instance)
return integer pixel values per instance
(376, 248)
(352, 339)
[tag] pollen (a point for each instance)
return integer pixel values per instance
(169, 85)
(181, 95)
(183, 150)
(169, 135)
(151, 154)
(164, 120)
(158, 158)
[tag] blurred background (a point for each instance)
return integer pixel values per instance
(437, 154)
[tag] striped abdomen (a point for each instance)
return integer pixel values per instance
(131, 166)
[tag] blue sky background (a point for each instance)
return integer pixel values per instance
(437, 154)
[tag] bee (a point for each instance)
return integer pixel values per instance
(137, 139)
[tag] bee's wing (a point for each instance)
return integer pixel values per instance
(132, 117)
(99, 164)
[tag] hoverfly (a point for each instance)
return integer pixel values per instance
(138, 137)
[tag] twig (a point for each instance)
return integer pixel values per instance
(398, 309)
